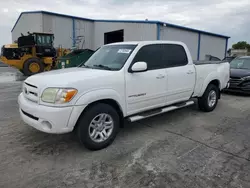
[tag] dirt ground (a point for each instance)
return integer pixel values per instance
(184, 148)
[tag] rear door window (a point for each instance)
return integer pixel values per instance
(174, 55)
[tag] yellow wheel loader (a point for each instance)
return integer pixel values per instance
(32, 54)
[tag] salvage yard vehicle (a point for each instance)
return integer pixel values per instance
(32, 54)
(74, 58)
(240, 75)
(128, 80)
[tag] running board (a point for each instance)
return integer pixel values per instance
(151, 113)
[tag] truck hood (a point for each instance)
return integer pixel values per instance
(239, 73)
(68, 77)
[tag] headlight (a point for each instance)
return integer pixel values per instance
(58, 95)
(246, 78)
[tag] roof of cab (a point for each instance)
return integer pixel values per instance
(146, 42)
(43, 33)
(126, 43)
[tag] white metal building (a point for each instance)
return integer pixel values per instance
(69, 30)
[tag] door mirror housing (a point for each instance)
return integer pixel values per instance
(139, 67)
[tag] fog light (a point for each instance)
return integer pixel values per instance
(46, 125)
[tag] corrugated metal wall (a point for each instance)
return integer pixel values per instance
(132, 31)
(61, 27)
(86, 30)
(27, 22)
(47, 23)
(188, 37)
(211, 45)
(66, 28)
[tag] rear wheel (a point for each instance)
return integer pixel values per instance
(98, 126)
(32, 66)
(209, 99)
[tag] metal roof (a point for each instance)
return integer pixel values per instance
(124, 21)
(50, 13)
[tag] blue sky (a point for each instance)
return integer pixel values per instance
(227, 17)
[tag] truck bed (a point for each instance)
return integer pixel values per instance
(208, 62)
(210, 70)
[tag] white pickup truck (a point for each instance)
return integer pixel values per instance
(128, 80)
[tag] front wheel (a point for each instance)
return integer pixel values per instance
(209, 99)
(98, 126)
(32, 66)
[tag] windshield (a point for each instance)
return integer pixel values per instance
(111, 57)
(44, 40)
(241, 63)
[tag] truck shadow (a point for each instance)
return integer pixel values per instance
(231, 93)
(43, 144)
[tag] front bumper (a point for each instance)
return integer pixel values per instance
(239, 88)
(49, 119)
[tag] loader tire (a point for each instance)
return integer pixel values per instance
(32, 66)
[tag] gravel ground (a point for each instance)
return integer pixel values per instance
(185, 148)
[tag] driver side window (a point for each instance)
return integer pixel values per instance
(152, 55)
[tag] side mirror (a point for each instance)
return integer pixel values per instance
(139, 67)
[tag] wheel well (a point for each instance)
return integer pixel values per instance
(110, 102)
(216, 83)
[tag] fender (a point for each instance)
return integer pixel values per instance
(212, 76)
(101, 94)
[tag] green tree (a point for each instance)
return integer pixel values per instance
(241, 45)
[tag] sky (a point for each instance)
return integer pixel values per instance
(227, 17)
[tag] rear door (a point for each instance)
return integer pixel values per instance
(180, 73)
(146, 90)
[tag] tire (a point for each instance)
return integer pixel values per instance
(28, 63)
(84, 128)
(205, 103)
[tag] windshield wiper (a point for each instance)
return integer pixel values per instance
(103, 67)
(85, 66)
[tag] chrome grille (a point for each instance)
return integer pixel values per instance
(235, 81)
(30, 92)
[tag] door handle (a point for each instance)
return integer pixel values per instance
(160, 76)
(190, 72)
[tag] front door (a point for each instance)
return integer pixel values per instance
(146, 90)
